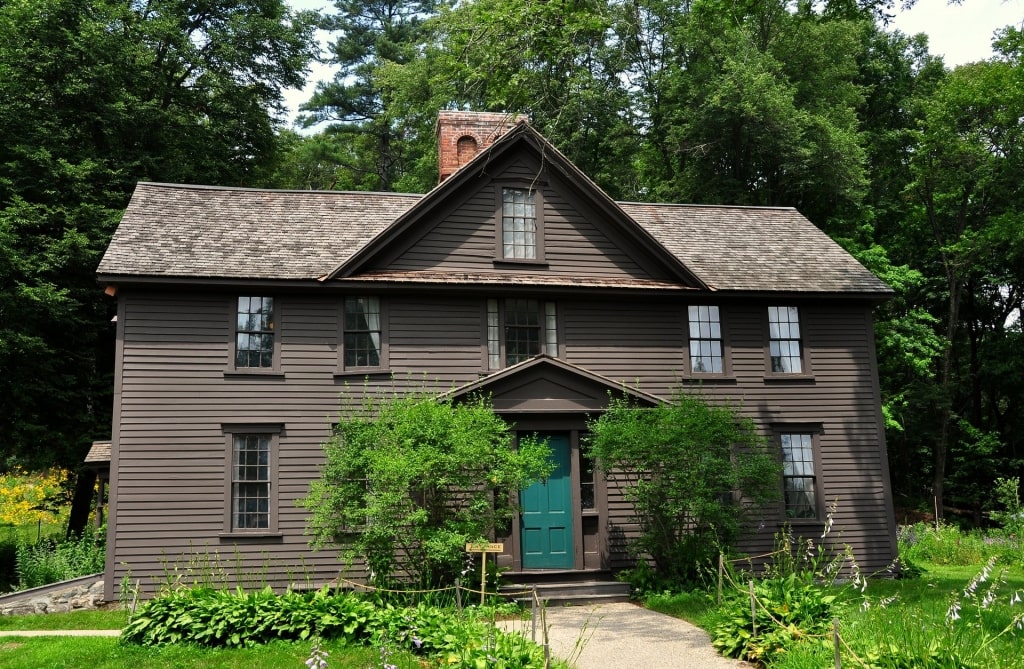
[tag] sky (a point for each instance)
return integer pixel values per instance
(959, 33)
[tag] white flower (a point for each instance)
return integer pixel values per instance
(954, 612)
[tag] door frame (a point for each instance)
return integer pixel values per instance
(573, 426)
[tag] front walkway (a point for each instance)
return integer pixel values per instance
(613, 636)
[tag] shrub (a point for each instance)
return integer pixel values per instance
(945, 545)
(691, 470)
(410, 480)
(209, 617)
(788, 611)
(217, 618)
(51, 561)
(795, 601)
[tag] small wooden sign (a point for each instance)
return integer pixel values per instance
(483, 549)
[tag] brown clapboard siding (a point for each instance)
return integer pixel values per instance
(175, 396)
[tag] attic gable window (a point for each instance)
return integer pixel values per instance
(520, 236)
(519, 329)
(254, 333)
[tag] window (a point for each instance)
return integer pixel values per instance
(250, 497)
(587, 499)
(798, 480)
(250, 481)
(363, 330)
(784, 340)
(254, 332)
(705, 340)
(518, 224)
(518, 329)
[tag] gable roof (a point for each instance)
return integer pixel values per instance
(183, 232)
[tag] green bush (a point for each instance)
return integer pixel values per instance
(209, 617)
(409, 480)
(51, 561)
(217, 618)
(945, 545)
(788, 611)
(693, 472)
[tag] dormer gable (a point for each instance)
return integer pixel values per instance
(518, 209)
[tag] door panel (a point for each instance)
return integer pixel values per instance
(546, 508)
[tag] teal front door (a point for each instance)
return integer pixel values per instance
(546, 513)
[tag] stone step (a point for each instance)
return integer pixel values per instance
(570, 593)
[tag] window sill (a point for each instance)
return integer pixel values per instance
(250, 537)
(360, 372)
(253, 374)
(515, 263)
(723, 379)
(816, 523)
(807, 379)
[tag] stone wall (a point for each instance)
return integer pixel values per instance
(77, 595)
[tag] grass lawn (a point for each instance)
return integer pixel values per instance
(909, 616)
(79, 620)
(109, 653)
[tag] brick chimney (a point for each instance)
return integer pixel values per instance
(461, 135)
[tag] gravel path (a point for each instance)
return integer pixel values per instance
(620, 636)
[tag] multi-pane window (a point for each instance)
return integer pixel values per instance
(784, 339)
(250, 481)
(518, 329)
(362, 332)
(518, 224)
(798, 480)
(254, 332)
(705, 339)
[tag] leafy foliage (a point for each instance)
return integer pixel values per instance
(692, 470)
(50, 560)
(789, 610)
(944, 545)
(408, 481)
(218, 618)
(96, 95)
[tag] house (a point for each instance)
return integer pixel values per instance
(244, 318)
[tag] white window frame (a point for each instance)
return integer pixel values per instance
(705, 340)
(785, 341)
(495, 332)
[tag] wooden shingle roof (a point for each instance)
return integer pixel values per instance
(178, 231)
(181, 231)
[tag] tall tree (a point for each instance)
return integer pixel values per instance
(966, 170)
(356, 103)
(551, 61)
(94, 96)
